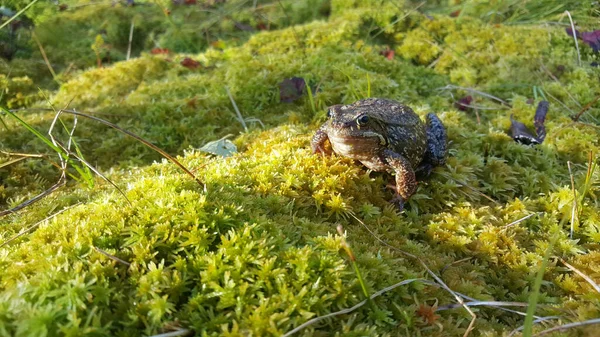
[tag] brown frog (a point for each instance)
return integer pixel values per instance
(385, 135)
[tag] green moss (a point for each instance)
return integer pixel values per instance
(258, 253)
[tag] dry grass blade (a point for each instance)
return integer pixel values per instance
(130, 40)
(18, 14)
(470, 187)
(585, 277)
(519, 220)
(32, 227)
(538, 320)
(43, 52)
(14, 161)
(483, 303)
(140, 139)
(568, 326)
(61, 182)
(180, 332)
(437, 279)
(574, 38)
(110, 256)
(349, 310)
(237, 111)
(477, 92)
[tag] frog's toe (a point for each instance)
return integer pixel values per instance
(398, 201)
(423, 171)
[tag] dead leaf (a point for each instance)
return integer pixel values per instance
(455, 13)
(222, 147)
(291, 89)
(428, 313)
(190, 63)
(388, 53)
(156, 51)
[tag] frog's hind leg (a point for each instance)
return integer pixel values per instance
(437, 146)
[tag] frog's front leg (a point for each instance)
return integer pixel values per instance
(318, 141)
(406, 183)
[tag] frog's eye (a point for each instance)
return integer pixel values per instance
(363, 120)
(328, 113)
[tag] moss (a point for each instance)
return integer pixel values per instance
(258, 253)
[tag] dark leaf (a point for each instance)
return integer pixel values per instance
(63, 7)
(190, 63)
(464, 103)
(243, 26)
(455, 13)
(291, 89)
(592, 38)
(521, 134)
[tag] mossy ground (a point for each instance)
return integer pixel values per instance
(257, 252)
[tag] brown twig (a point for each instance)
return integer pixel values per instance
(112, 257)
(585, 108)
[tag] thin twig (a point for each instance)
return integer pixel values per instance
(568, 326)
(237, 111)
(61, 182)
(585, 108)
(32, 227)
(538, 320)
(575, 38)
(142, 140)
(437, 279)
(349, 310)
(483, 303)
(474, 91)
(585, 277)
(112, 257)
(574, 207)
(43, 52)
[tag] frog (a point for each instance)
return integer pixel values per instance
(385, 136)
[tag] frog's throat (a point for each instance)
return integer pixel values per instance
(364, 134)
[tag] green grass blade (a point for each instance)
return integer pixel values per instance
(18, 14)
(31, 129)
(533, 300)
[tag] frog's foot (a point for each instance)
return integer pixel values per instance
(437, 144)
(398, 201)
(318, 142)
(423, 171)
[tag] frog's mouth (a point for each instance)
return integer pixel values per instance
(362, 144)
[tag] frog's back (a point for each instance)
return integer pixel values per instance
(405, 132)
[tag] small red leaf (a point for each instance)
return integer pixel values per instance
(387, 53)
(157, 51)
(464, 103)
(190, 63)
(455, 13)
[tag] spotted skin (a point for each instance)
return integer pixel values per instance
(385, 135)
